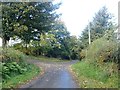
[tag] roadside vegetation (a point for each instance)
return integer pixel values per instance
(39, 33)
(38, 30)
(21, 79)
(98, 66)
(15, 70)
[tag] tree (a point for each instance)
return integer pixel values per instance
(71, 46)
(47, 42)
(101, 23)
(27, 20)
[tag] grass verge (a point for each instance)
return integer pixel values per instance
(90, 76)
(46, 59)
(14, 82)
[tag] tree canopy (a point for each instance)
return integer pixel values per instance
(27, 20)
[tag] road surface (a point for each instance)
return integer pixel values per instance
(56, 75)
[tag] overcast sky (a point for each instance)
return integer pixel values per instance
(77, 13)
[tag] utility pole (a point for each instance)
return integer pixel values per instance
(89, 33)
(118, 32)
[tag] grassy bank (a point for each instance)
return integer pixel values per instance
(90, 76)
(99, 65)
(13, 82)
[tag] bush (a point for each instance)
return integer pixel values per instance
(82, 54)
(13, 55)
(11, 69)
(103, 53)
(100, 51)
(106, 53)
(12, 64)
(65, 55)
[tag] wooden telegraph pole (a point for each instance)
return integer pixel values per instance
(118, 32)
(89, 34)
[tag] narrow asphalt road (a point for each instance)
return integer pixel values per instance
(56, 75)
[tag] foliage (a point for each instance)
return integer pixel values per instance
(104, 51)
(71, 46)
(26, 20)
(39, 28)
(12, 69)
(12, 55)
(98, 67)
(99, 63)
(47, 42)
(13, 64)
(55, 43)
(17, 80)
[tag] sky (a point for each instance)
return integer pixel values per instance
(76, 14)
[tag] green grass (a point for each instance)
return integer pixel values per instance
(46, 59)
(90, 76)
(21, 79)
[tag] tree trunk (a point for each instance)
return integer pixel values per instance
(70, 57)
(4, 43)
(4, 48)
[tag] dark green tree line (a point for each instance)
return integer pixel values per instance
(39, 28)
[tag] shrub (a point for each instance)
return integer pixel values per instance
(82, 54)
(106, 53)
(103, 53)
(100, 51)
(13, 55)
(12, 64)
(12, 69)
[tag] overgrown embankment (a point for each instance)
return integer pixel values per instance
(14, 69)
(99, 66)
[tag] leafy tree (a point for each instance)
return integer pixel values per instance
(27, 20)
(71, 46)
(47, 42)
(60, 34)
